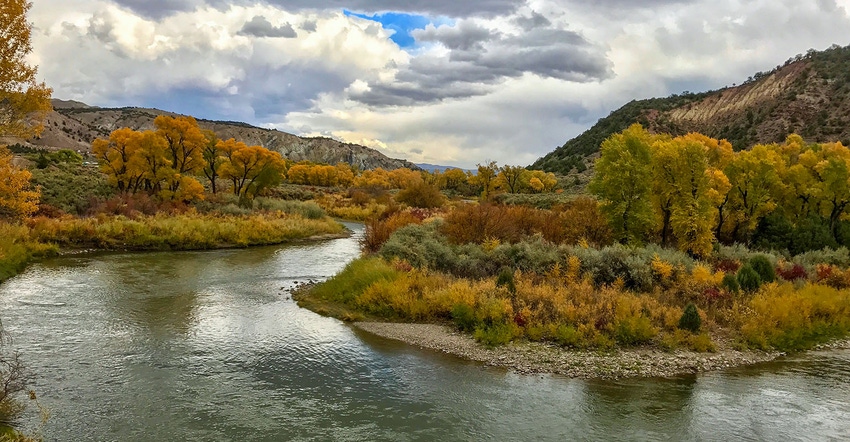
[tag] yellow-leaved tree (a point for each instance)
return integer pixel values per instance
(24, 103)
(17, 198)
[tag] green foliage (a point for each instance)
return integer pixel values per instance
(748, 279)
(357, 276)
(494, 335)
(623, 183)
(690, 319)
(506, 279)
(764, 268)
(730, 283)
(17, 248)
(464, 318)
(72, 188)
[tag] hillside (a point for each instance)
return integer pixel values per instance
(74, 125)
(809, 95)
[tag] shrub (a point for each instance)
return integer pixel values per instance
(792, 272)
(464, 317)
(730, 283)
(495, 335)
(690, 319)
(506, 279)
(379, 229)
(785, 318)
(421, 195)
(764, 268)
(567, 336)
(748, 279)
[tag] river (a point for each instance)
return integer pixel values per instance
(208, 346)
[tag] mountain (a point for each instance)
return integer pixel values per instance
(438, 168)
(74, 125)
(809, 95)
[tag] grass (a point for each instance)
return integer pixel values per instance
(17, 249)
(189, 231)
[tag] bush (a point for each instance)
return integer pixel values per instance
(421, 195)
(764, 268)
(495, 335)
(506, 279)
(380, 229)
(690, 319)
(464, 318)
(792, 273)
(730, 283)
(748, 279)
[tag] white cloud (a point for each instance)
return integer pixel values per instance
(475, 89)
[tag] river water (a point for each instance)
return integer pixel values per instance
(208, 346)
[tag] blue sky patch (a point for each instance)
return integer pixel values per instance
(402, 24)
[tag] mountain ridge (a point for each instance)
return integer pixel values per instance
(74, 125)
(809, 95)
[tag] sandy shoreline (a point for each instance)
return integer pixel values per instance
(526, 357)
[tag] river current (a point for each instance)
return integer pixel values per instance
(209, 346)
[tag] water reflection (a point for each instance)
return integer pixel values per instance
(208, 346)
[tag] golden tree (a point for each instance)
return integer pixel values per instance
(17, 198)
(24, 103)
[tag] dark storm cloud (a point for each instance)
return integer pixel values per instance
(159, 8)
(259, 26)
(531, 22)
(465, 36)
(448, 8)
(481, 59)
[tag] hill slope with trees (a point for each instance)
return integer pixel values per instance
(74, 125)
(809, 95)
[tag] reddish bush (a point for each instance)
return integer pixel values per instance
(582, 219)
(379, 230)
(727, 266)
(509, 224)
(792, 273)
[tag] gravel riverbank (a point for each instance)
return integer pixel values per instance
(529, 357)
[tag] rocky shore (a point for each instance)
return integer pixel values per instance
(530, 358)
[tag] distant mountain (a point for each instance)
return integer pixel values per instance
(74, 125)
(809, 95)
(436, 168)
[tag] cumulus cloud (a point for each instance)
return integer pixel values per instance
(507, 80)
(259, 26)
(479, 58)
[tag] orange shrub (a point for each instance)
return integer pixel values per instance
(379, 229)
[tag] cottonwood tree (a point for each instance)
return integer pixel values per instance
(623, 182)
(24, 103)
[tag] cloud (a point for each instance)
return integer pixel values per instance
(259, 26)
(494, 79)
(479, 59)
(447, 8)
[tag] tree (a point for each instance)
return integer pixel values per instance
(115, 155)
(213, 158)
(754, 178)
(17, 198)
(682, 184)
(251, 168)
(623, 182)
(513, 178)
(185, 143)
(24, 103)
(486, 179)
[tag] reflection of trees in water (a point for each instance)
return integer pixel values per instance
(642, 408)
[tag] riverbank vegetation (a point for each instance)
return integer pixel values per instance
(685, 244)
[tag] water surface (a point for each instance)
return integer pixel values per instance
(208, 346)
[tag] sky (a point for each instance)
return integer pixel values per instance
(450, 82)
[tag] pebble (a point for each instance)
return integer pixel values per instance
(539, 358)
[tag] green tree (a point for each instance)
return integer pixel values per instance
(623, 182)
